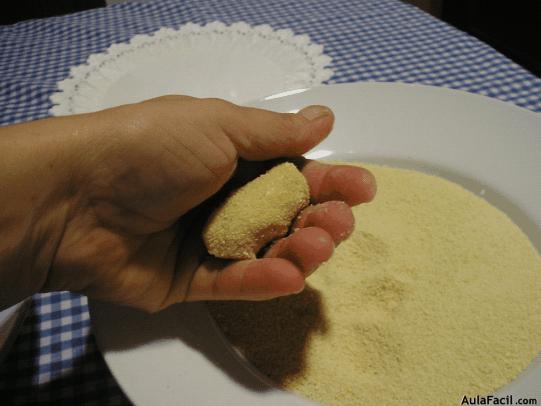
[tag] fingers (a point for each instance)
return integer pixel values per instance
(335, 217)
(258, 279)
(260, 134)
(351, 184)
(316, 232)
(307, 248)
(286, 263)
(280, 273)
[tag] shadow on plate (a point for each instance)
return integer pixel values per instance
(274, 333)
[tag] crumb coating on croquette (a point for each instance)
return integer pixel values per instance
(257, 213)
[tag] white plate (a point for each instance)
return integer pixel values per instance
(490, 147)
(10, 320)
(237, 63)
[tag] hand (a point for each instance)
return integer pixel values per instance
(138, 175)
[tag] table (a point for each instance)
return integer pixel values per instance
(55, 357)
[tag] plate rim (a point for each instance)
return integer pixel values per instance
(445, 89)
(11, 325)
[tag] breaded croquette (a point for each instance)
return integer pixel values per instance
(257, 213)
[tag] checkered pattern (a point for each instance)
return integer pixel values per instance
(55, 357)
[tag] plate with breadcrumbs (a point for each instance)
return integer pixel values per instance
(434, 299)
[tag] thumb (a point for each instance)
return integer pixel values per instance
(261, 134)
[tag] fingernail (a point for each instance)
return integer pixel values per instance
(299, 290)
(314, 112)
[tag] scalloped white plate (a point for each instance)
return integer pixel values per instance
(237, 63)
(490, 147)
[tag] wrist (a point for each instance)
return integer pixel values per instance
(36, 200)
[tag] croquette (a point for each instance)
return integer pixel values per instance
(257, 213)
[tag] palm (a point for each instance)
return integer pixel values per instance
(128, 236)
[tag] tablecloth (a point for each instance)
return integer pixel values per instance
(55, 358)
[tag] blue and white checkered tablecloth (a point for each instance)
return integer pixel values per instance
(55, 359)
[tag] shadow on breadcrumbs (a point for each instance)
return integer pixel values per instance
(273, 335)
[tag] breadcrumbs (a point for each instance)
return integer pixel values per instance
(436, 295)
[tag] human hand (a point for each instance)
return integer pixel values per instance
(130, 231)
